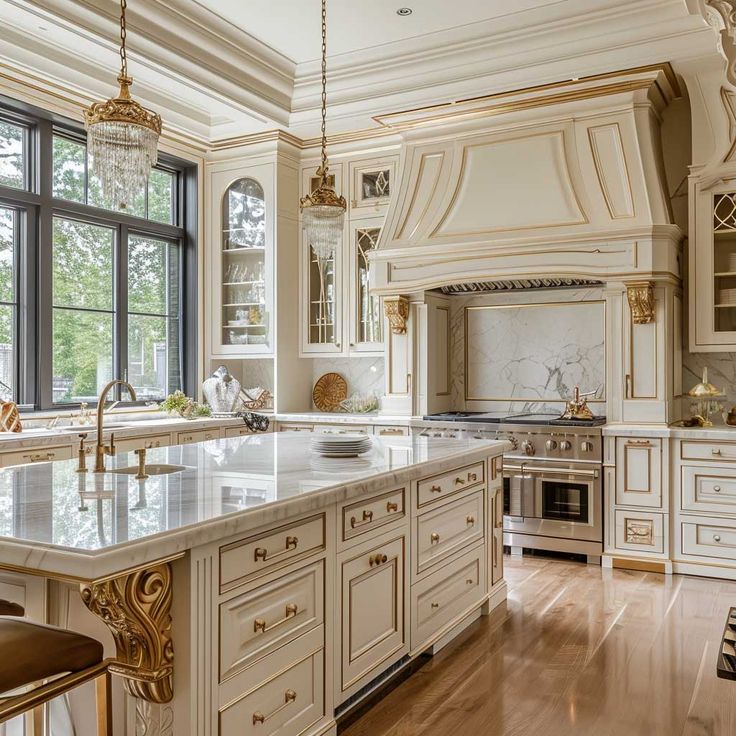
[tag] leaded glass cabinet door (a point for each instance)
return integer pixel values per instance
(371, 184)
(724, 262)
(322, 288)
(244, 270)
(366, 320)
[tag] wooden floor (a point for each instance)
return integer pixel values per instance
(577, 650)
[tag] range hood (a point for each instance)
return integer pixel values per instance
(563, 181)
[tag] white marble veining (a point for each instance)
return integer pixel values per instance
(86, 526)
(528, 350)
(721, 373)
(363, 375)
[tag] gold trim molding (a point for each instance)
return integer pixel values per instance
(136, 608)
(396, 309)
(641, 302)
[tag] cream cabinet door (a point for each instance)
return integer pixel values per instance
(373, 627)
(638, 472)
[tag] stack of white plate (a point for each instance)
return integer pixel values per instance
(341, 445)
(727, 296)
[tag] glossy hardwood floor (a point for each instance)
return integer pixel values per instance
(577, 650)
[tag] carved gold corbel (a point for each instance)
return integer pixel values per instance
(396, 309)
(136, 607)
(641, 302)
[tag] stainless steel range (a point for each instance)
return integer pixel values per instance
(553, 490)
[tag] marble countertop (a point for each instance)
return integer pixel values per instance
(319, 417)
(721, 432)
(88, 526)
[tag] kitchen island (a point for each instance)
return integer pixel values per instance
(251, 586)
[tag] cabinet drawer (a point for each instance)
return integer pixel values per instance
(287, 703)
(432, 489)
(709, 489)
(639, 472)
(237, 431)
(446, 530)
(148, 442)
(713, 451)
(342, 429)
(709, 538)
(447, 593)
(296, 427)
(277, 547)
(201, 435)
(373, 513)
(639, 531)
(388, 431)
(256, 623)
(39, 455)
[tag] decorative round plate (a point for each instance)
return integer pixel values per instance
(329, 391)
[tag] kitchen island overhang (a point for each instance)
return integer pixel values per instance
(117, 538)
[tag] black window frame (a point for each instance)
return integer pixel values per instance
(37, 208)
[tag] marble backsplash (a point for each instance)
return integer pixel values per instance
(364, 375)
(527, 356)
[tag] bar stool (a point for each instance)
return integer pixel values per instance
(32, 653)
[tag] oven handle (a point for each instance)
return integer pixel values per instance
(557, 471)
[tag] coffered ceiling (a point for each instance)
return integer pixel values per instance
(221, 69)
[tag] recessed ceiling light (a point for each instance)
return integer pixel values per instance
(404, 11)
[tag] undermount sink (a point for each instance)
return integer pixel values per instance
(152, 469)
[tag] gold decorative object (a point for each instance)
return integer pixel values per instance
(731, 417)
(396, 309)
(329, 391)
(122, 137)
(10, 417)
(137, 610)
(323, 210)
(641, 302)
(577, 407)
(254, 398)
(705, 395)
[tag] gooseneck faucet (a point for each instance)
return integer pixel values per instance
(103, 449)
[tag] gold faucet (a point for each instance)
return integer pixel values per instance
(103, 449)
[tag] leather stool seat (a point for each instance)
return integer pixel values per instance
(31, 652)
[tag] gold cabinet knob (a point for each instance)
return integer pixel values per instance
(470, 520)
(459, 481)
(391, 506)
(717, 489)
(434, 538)
(435, 605)
(716, 538)
(435, 489)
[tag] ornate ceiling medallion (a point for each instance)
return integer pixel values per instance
(641, 302)
(122, 137)
(323, 211)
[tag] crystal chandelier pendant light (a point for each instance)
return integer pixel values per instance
(323, 211)
(122, 137)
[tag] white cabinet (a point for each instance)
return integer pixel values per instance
(639, 472)
(339, 316)
(241, 259)
(712, 267)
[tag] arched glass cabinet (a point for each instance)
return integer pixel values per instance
(246, 264)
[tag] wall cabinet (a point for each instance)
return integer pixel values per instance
(712, 267)
(339, 316)
(241, 247)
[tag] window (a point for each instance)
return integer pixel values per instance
(89, 292)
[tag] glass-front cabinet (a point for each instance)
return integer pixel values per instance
(242, 269)
(339, 314)
(724, 262)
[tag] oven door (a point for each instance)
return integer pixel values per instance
(567, 503)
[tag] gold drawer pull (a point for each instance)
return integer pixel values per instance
(41, 457)
(261, 553)
(391, 506)
(391, 431)
(435, 605)
(470, 520)
(436, 489)
(472, 477)
(716, 537)
(459, 481)
(715, 452)
(638, 443)
(377, 559)
(260, 624)
(367, 519)
(289, 697)
(434, 538)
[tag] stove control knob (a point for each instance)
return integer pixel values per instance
(565, 445)
(586, 446)
(528, 447)
(551, 444)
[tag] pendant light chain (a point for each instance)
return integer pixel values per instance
(324, 91)
(123, 34)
